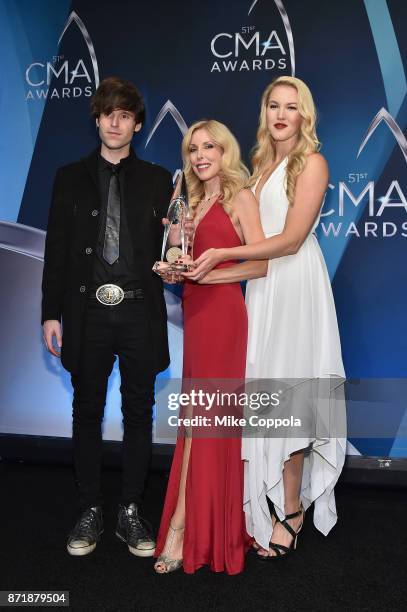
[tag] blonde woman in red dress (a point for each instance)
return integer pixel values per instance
(203, 519)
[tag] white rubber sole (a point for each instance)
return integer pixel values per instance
(137, 551)
(81, 552)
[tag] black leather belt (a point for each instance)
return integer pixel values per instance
(111, 295)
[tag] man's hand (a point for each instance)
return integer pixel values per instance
(52, 328)
(189, 228)
(174, 237)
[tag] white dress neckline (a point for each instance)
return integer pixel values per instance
(269, 177)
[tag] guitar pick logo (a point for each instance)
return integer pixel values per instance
(384, 116)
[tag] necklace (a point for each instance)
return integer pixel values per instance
(211, 196)
(203, 204)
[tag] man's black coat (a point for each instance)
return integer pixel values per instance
(71, 240)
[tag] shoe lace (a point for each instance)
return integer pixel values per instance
(134, 521)
(136, 524)
(86, 522)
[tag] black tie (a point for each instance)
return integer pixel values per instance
(112, 232)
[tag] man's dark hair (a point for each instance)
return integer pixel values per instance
(114, 93)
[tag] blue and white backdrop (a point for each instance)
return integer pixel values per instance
(193, 60)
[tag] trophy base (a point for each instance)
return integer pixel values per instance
(179, 267)
(163, 268)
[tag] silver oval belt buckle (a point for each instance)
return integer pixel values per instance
(109, 295)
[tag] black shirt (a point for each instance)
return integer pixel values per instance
(124, 271)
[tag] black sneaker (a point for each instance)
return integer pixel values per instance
(135, 531)
(85, 535)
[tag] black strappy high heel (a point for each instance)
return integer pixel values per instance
(255, 547)
(281, 550)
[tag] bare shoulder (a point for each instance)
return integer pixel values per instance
(244, 199)
(316, 164)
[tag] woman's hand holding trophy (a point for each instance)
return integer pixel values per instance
(178, 230)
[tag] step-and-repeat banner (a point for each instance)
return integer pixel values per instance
(194, 60)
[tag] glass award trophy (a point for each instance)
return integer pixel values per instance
(177, 214)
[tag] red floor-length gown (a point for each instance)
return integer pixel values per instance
(215, 339)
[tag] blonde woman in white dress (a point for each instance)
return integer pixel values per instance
(293, 331)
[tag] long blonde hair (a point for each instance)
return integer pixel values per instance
(265, 151)
(233, 175)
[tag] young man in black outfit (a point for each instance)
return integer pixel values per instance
(104, 235)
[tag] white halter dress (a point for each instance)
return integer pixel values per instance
(293, 334)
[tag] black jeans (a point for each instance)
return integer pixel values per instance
(121, 330)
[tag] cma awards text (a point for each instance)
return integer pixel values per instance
(248, 50)
(393, 201)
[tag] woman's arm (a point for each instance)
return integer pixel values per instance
(246, 209)
(247, 270)
(309, 193)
